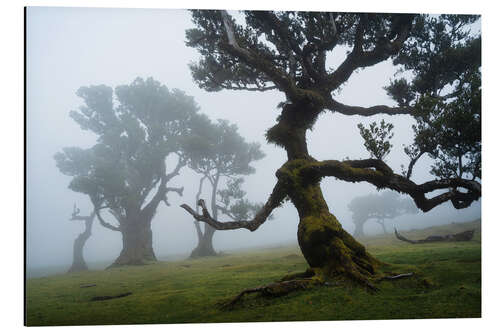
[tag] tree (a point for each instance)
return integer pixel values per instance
(137, 128)
(79, 263)
(287, 51)
(387, 205)
(217, 151)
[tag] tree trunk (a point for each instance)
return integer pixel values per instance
(79, 263)
(382, 224)
(329, 250)
(137, 239)
(205, 247)
(358, 230)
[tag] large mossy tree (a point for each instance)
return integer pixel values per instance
(217, 151)
(138, 127)
(288, 52)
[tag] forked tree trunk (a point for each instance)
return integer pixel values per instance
(79, 263)
(137, 239)
(205, 246)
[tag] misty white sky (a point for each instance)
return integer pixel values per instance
(72, 47)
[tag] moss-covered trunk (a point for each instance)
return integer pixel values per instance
(137, 239)
(329, 250)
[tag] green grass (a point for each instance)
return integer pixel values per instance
(446, 284)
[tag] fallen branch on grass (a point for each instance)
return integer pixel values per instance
(105, 298)
(395, 277)
(460, 237)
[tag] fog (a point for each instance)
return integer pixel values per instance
(72, 47)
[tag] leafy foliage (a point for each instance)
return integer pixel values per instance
(444, 59)
(377, 138)
(218, 149)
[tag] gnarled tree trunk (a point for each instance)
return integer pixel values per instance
(79, 263)
(329, 250)
(137, 239)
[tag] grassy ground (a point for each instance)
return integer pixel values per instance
(446, 284)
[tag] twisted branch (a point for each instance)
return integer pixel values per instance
(381, 175)
(275, 199)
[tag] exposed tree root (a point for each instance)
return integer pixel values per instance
(302, 281)
(274, 289)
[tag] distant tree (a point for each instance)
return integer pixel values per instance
(288, 51)
(217, 151)
(79, 263)
(387, 205)
(137, 128)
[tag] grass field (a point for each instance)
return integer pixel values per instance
(446, 284)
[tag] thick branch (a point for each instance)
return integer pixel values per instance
(160, 194)
(349, 110)
(275, 199)
(381, 175)
(104, 223)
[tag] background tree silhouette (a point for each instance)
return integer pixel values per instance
(217, 151)
(137, 126)
(288, 51)
(386, 205)
(79, 263)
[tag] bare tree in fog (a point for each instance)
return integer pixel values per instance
(79, 263)
(387, 205)
(217, 151)
(137, 128)
(287, 51)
